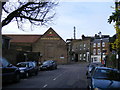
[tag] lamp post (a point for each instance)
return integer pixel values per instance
(100, 35)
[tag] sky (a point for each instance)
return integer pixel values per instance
(89, 17)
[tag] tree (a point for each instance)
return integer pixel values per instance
(39, 12)
(115, 17)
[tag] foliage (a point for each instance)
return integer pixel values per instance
(116, 43)
(115, 17)
(39, 12)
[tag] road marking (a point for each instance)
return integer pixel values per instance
(45, 86)
(57, 77)
(54, 78)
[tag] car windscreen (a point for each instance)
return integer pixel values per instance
(22, 65)
(46, 63)
(106, 74)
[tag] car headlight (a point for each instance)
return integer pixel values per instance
(22, 71)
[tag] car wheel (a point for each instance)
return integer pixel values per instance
(17, 77)
(26, 74)
(56, 67)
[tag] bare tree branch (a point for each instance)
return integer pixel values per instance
(38, 13)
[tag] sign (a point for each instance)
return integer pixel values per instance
(50, 38)
(62, 57)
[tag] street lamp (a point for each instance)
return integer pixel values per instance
(100, 35)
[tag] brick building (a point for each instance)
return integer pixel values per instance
(100, 45)
(79, 49)
(50, 45)
(88, 48)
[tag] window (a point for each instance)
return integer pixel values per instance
(81, 47)
(94, 45)
(84, 45)
(99, 52)
(84, 56)
(94, 51)
(30, 64)
(103, 51)
(80, 56)
(98, 45)
(103, 44)
(95, 58)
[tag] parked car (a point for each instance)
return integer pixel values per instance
(27, 68)
(103, 77)
(92, 66)
(36, 68)
(10, 73)
(49, 64)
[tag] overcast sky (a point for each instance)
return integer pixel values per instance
(88, 17)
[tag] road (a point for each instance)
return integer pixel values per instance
(66, 76)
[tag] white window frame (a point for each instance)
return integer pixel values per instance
(103, 44)
(94, 51)
(98, 51)
(80, 56)
(98, 44)
(94, 44)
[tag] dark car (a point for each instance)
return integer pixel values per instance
(103, 77)
(92, 66)
(10, 73)
(36, 68)
(27, 69)
(49, 64)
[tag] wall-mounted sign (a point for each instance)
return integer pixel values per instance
(62, 57)
(50, 38)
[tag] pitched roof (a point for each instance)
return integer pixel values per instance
(51, 32)
(24, 38)
(20, 38)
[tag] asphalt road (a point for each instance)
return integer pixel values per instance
(66, 76)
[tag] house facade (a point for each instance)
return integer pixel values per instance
(51, 46)
(88, 48)
(79, 50)
(99, 46)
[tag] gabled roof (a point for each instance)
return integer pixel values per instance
(51, 33)
(24, 38)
